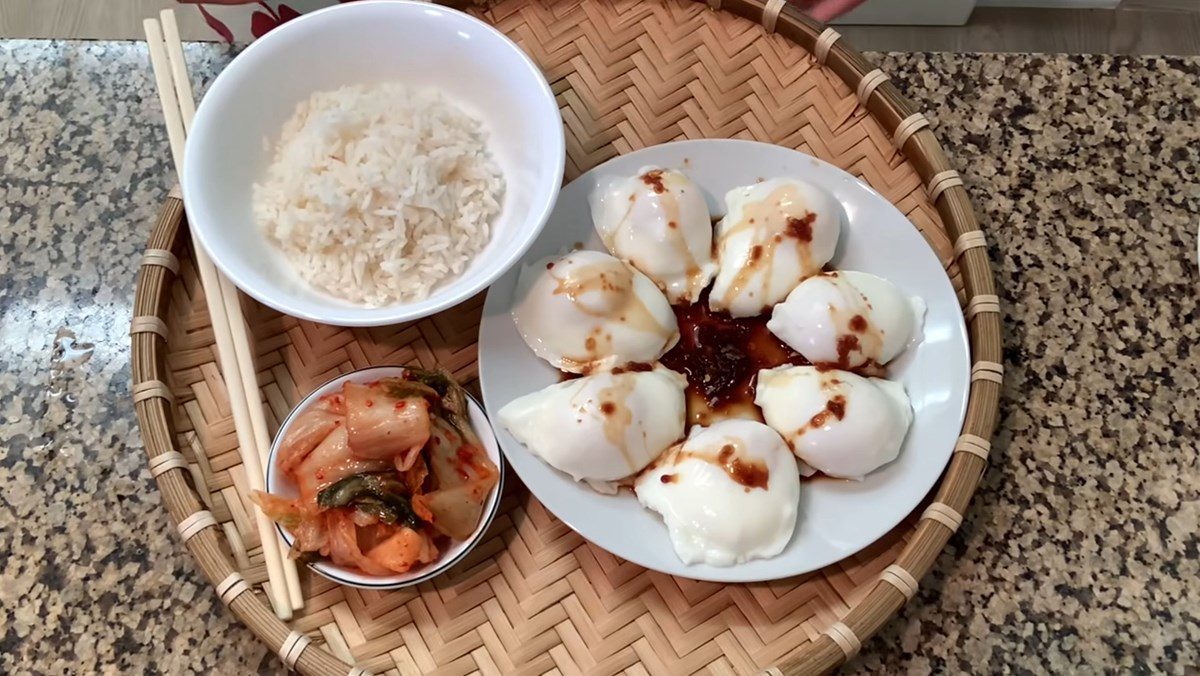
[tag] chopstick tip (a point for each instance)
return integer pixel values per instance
(151, 27)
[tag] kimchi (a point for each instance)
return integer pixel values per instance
(387, 474)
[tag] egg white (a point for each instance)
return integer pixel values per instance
(588, 311)
(658, 222)
(600, 427)
(820, 313)
(761, 257)
(710, 517)
(836, 422)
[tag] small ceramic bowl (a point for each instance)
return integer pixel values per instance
(421, 45)
(281, 485)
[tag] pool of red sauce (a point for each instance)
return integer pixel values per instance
(721, 356)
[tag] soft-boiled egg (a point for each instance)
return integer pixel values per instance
(847, 318)
(601, 427)
(727, 495)
(658, 222)
(774, 234)
(836, 422)
(588, 311)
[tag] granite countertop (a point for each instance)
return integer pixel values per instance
(1080, 551)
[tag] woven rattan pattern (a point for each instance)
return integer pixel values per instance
(534, 596)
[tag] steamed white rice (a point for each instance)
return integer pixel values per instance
(378, 193)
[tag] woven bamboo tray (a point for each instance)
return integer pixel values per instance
(534, 597)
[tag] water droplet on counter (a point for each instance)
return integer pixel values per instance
(67, 354)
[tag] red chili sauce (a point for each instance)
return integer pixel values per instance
(721, 356)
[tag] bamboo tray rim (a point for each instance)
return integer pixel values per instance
(910, 134)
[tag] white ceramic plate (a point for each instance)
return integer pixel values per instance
(837, 518)
(281, 485)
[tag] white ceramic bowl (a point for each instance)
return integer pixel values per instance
(419, 44)
(281, 485)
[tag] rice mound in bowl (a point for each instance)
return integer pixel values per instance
(378, 193)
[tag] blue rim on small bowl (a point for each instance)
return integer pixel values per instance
(458, 550)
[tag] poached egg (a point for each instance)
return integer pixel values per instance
(847, 318)
(601, 427)
(588, 311)
(659, 223)
(728, 494)
(836, 422)
(774, 235)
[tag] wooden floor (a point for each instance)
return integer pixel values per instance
(1136, 27)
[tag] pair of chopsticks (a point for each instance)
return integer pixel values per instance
(225, 310)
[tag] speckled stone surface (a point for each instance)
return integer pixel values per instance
(1079, 553)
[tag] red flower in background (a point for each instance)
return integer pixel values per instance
(212, 21)
(261, 22)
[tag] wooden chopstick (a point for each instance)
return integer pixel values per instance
(229, 293)
(174, 90)
(258, 422)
